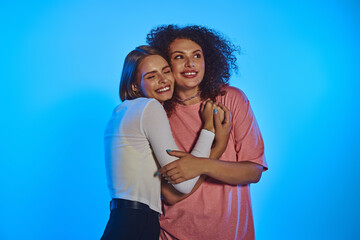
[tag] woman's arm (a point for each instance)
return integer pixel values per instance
(188, 166)
(156, 127)
(222, 123)
(248, 145)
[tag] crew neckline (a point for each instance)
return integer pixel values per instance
(192, 106)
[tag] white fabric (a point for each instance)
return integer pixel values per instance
(136, 131)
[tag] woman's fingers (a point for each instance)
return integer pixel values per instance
(174, 177)
(219, 112)
(176, 153)
(202, 106)
(227, 114)
(218, 122)
(209, 105)
(205, 103)
(178, 180)
(166, 168)
(171, 174)
(207, 115)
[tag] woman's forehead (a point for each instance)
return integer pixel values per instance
(184, 45)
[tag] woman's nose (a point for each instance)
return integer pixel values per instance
(162, 78)
(190, 63)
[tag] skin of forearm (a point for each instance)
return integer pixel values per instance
(170, 194)
(233, 173)
(217, 150)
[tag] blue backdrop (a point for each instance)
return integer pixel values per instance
(60, 67)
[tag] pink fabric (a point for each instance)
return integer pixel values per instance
(216, 210)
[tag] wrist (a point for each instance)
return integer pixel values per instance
(207, 166)
(219, 145)
(209, 127)
(200, 167)
(216, 152)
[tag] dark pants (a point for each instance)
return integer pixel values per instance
(132, 224)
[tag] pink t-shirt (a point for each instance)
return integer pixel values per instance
(216, 210)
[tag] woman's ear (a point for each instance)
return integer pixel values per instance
(134, 87)
(136, 90)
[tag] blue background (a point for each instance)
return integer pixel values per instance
(60, 67)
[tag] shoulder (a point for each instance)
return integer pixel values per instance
(142, 105)
(153, 116)
(132, 108)
(233, 94)
(154, 104)
(153, 109)
(136, 104)
(140, 101)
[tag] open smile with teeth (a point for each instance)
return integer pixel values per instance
(189, 73)
(164, 89)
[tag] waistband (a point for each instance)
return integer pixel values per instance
(123, 203)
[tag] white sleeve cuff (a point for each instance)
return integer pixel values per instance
(203, 144)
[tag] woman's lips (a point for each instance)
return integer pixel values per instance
(189, 74)
(163, 89)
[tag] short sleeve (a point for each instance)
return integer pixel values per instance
(249, 144)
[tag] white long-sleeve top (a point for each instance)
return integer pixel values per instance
(136, 138)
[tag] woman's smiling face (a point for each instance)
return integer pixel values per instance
(187, 63)
(155, 78)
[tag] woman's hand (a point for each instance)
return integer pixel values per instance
(223, 123)
(207, 115)
(223, 126)
(185, 168)
(220, 112)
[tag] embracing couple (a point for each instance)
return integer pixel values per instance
(183, 147)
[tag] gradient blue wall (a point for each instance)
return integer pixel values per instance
(60, 67)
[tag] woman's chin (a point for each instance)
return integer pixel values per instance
(189, 84)
(163, 98)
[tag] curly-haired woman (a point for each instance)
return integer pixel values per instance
(201, 61)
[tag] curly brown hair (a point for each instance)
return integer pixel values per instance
(219, 54)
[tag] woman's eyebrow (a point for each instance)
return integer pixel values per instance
(152, 72)
(165, 67)
(177, 51)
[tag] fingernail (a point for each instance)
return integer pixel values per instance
(158, 173)
(215, 111)
(168, 181)
(168, 150)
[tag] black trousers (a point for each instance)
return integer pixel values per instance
(132, 224)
